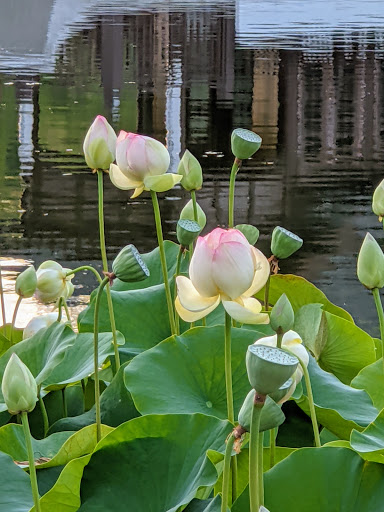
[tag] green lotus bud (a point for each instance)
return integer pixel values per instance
(187, 232)
(128, 265)
(51, 281)
(18, 387)
(378, 201)
(269, 367)
(187, 213)
(284, 391)
(190, 169)
(250, 232)
(284, 243)
(100, 144)
(244, 143)
(271, 414)
(26, 283)
(370, 264)
(282, 316)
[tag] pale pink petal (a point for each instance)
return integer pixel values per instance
(200, 269)
(234, 235)
(190, 298)
(122, 135)
(189, 316)
(120, 180)
(213, 238)
(233, 268)
(157, 155)
(248, 314)
(262, 271)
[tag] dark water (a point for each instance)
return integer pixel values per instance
(308, 80)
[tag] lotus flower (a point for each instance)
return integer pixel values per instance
(100, 144)
(53, 282)
(224, 268)
(141, 165)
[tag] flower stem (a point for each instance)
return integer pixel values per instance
(163, 260)
(105, 266)
(254, 497)
(311, 403)
(228, 367)
(67, 311)
(2, 299)
(31, 460)
(279, 339)
(44, 414)
(266, 293)
(194, 203)
(177, 272)
(231, 200)
(65, 409)
(18, 302)
(96, 357)
(261, 468)
(59, 307)
(85, 267)
(272, 447)
(380, 314)
(227, 473)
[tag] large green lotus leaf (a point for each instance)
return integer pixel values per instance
(41, 353)
(64, 496)
(5, 337)
(300, 292)
(155, 462)
(336, 403)
(322, 479)
(15, 487)
(78, 360)
(370, 442)
(210, 505)
(185, 374)
(116, 407)
(371, 379)
(12, 442)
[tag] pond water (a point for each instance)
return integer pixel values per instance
(308, 79)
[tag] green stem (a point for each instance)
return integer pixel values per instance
(67, 311)
(96, 358)
(31, 460)
(234, 478)
(18, 302)
(380, 314)
(44, 414)
(254, 498)
(261, 468)
(194, 203)
(163, 260)
(85, 267)
(311, 403)
(60, 305)
(105, 265)
(2, 298)
(227, 473)
(266, 293)
(177, 272)
(272, 447)
(228, 367)
(231, 200)
(83, 387)
(279, 339)
(65, 409)
(204, 321)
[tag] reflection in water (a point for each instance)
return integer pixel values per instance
(179, 76)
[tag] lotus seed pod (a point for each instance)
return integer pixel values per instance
(190, 169)
(187, 213)
(250, 232)
(284, 243)
(282, 315)
(26, 283)
(284, 392)
(18, 387)
(244, 143)
(128, 265)
(269, 367)
(378, 201)
(370, 264)
(187, 231)
(271, 414)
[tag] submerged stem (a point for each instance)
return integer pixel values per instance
(31, 461)
(231, 199)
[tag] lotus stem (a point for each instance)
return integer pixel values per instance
(67, 311)
(65, 408)
(266, 293)
(96, 357)
(2, 298)
(59, 306)
(272, 447)
(227, 473)
(254, 467)
(261, 467)
(163, 260)
(231, 200)
(43, 413)
(18, 302)
(279, 339)
(228, 368)
(31, 460)
(177, 272)
(380, 314)
(311, 402)
(105, 266)
(194, 203)
(204, 321)
(85, 267)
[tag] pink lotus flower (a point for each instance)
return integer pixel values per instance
(226, 268)
(100, 144)
(141, 165)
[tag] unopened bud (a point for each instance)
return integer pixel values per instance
(378, 201)
(271, 414)
(26, 283)
(188, 214)
(284, 243)
(100, 144)
(244, 143)
(282, 316)
(370, 264)
(190, 169)
(18, 387)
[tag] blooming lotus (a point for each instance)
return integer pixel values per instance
(53, 282)
(224, 268)
(142, 163)
(100, 144)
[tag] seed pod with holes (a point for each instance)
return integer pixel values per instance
(187, 231)
(244, 143)
(284, 243)
(128, 265)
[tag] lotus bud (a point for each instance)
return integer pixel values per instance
(370, 264)
(244, 143)
(284, 243)
(284, 392)
(282, 316)
(37, 323)
(269, 367)
(100, 144)
(18, 387)
(187, 231)
(250, 232)
(378, 201)
(271, 414)
(187, 213)
(128, 265)
(190, 169)
(52, 282)
(26, 283)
